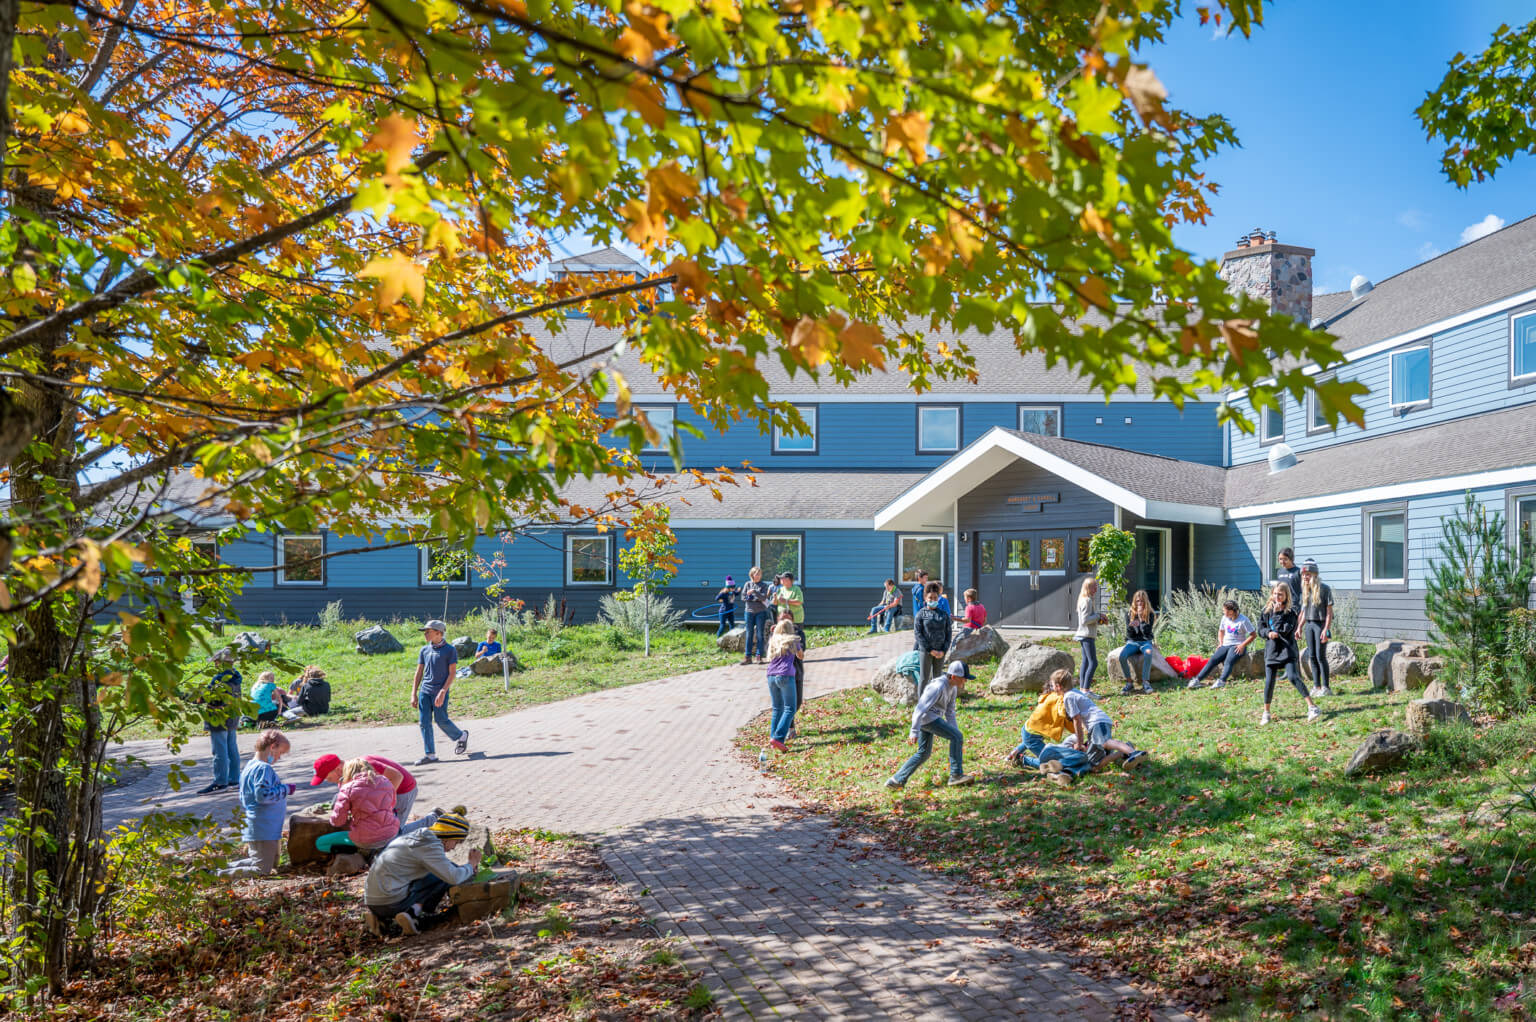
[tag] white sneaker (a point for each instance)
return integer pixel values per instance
(407, 923)
(1264, 719)
(425, 759)
(1317, 692)
(1219, 684)
(1313, 713)
(1193, 683)
(1146, 687)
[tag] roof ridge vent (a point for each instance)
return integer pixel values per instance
(1281, 457)
(1359, 286)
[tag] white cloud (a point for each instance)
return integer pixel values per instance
(1428, 250)
(1412, 219)
(1484, 227)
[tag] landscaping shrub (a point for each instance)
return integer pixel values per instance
(1505, 683)
(330, 617)
(559, 649)
(629, 615)
(1346, 617)
(1187, 622)
(1450, 746)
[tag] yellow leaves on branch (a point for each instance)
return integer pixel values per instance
(396, 137)
(692, 282)
(908, 131)
(646, 33)
(1146, 94)
(398, 275)
(855, 344)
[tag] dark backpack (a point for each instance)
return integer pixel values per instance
(316, 697)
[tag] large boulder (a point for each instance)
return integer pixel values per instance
(1250, 664)
(1424, 714)
(305, 827)
(1411, 673)
(1380, 668)
(733, 641)
(894, 686)
(465, 647)
(490, 666)
(1382, 750)
(1027, 667)
(376, 640)
(977, 647)
(1341, 661)
(252, 642)
(1161, 669)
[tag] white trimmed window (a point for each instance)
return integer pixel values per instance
(1524, 515)
(920, 553)
(785, 442)
(1317, 422)
(443, 566)
(663, 419)
(297, 559)
(1272, 423)
(1279, 535)
(1410, 377)
(1042, 419)
(1522, 348)
(1387, 538)
(588, 561)
(779, 552)
(938, 429)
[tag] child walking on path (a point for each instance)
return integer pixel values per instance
(1087, 634)
(784, 648)
(1045, 725)
(1278, 626)
(365, 806)
(429, 691)
(1093, 728)
(931, 632)
(1316, 625)
(265, 800)
(935, 715)
(1233, 635)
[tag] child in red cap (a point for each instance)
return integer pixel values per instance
(328, 770)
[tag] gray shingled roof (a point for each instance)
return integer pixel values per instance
(608, 258)
(1465, 278)
(1326, 305)
(1147, 475)
(840, 496)
(1478, 443)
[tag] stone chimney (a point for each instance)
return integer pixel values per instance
(1271, 272)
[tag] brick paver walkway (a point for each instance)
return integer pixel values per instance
(786, 916)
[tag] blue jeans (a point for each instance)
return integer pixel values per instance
(1090, 648)
(1225, 657)
(727, 622)
(1130, 648)
(426, 891)
(888, 619)
(438, 713)
(226, 755)
(781, 690)
(757, 634)
(1029, 748)
(876, 615)
(1072, 760)
(943, 729)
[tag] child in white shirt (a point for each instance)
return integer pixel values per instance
(1093, 727)
(1233, 635)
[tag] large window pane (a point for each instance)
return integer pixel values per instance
(1277, 538)
(295, 553)
(664, 421)
(1315, 419)
(988, 556)
(938, 429)
(1018, 555)
(1410, 376)
(1042, 419)
(1271, 424)
(444, 566)
(1523, 351)
(587, 560)
(922, 552)
(1388, 548)
(777, 554)
(1525, 523)
(803, 443)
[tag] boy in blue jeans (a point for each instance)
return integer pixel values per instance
(935, 715)
(429, 691)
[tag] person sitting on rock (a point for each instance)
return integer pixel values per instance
(490, 647)
(311, 695)
(409, 877)
(975, 615)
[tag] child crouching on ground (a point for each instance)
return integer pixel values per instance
(1045, 725)
(1093, 728)
(265, 801)
(366, 806)
(411, 875)
(935, 715)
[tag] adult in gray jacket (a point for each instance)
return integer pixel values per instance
(410, 876)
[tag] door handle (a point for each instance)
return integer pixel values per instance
(1034, 580)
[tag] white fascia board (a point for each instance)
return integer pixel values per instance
(1420, 333)
(1395, 491)
(769, 524)
(930, 398)
(1194, 514)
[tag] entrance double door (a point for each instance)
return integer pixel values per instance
(1025, 579)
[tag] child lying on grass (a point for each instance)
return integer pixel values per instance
(1093, 728)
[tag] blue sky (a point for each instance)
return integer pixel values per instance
(1322, 98)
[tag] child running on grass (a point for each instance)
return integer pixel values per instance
(784, 648)
(1092, 726)
(1278, 626)
(1233, 635)
(1045, 726)
(265, 800)
(365, 806)
(935, 715)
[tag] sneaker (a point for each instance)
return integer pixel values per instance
(371, 921)
(1193, 683)
(407, 923)
(210, 789)
(461, 746)
(793, 733)
(1063, 779)
(1114, 756)
(1317, 693)
(428, 758)
(1313, 713)
(1264, 718)
(962, 780)
(1136, 760)
(1013, 758)
(894, 784)
(1051, 766)
(1128, 689)
(1327, 692)
(745, 661)
(1219, 684)
(1146, 687)
(778, 746)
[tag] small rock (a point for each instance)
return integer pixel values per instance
(1423, 714)
(1027, 667)
(464, 646)
(253, 641)
(977, 647)
(894, 685)
(1382, 750)
(1435, 690)
(733, 641)
(1380, 667)
(376, 640)
(346, 864)
(488, 666)
(1341, 661)
(1410, 674)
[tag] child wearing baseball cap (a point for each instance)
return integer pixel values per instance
(934, 715)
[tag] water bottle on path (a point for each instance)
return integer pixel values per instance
(762, 760)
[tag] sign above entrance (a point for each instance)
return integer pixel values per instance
(1032, 501)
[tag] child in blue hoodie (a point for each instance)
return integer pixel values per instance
(265, 801)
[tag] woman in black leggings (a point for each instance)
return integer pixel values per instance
(1316, 625)
(1278, 627)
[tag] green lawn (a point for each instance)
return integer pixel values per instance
(1241, 870)
(370, 690)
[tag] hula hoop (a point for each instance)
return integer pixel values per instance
(712, 609)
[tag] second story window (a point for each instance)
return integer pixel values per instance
(663, 419)
(1272, 423)
(938, 429)
(1317, 422)
(1042, 419)
(1410, 377)
(785, 442)
(1522, 348)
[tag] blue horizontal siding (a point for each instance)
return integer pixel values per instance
(1223, 557)
(1469, 369)
(1151, 427)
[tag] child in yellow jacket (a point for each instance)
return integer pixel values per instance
(1045, 725)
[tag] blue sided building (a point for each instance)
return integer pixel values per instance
(999, 484)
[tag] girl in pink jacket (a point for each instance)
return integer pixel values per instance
(366, 806)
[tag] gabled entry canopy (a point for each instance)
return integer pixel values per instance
(1148, 486)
